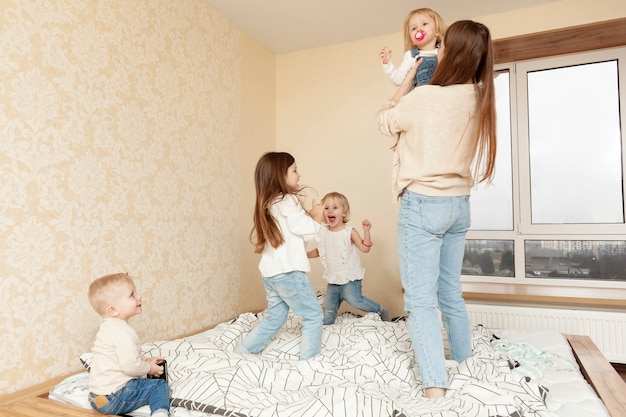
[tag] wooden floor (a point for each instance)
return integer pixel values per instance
(43, 407)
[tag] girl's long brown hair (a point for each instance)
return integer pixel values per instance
(468, 55)
(269, 181)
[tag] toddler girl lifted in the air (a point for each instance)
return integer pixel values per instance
(423, 32)
(338, 248)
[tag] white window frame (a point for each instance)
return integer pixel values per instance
(523, 229)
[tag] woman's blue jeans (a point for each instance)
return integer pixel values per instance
(351, 293)
(431, 245)
(291, 290)
(136, 393)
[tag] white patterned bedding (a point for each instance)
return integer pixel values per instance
(366, 368)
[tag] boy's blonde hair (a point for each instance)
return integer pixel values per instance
(343, 201)
(440, 26)
(100, 290)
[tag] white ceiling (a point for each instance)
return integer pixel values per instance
(284, 26)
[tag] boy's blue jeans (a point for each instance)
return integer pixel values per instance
(136, 393)
(350, 293)
(291, 290)
(431, 246)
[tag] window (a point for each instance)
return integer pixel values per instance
(489, 257)
(556, 209)
(574, 143)
(576, 259)
(500, 193)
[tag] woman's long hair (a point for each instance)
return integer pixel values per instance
(468, 55)
(270, 185)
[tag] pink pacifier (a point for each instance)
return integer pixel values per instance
(419, 35)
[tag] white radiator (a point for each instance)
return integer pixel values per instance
(606, 328)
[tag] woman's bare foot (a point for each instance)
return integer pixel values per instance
(434, 392)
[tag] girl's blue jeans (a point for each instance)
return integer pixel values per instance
(350, 293)
(291, 290)
(136, 393)
(431, 245)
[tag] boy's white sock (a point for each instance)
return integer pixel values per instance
(160, 413)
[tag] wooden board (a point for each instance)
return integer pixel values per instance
(600, 374)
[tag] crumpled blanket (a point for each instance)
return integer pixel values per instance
(366, 368)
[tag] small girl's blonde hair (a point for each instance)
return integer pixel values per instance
(343, 201)
(440, 26)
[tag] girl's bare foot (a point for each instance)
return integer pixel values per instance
(434, 392)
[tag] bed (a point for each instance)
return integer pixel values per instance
(366, 368)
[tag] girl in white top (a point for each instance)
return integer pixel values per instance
(423, 32)
(338, 249)
(281, 229)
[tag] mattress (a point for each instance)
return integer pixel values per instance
(366, 368)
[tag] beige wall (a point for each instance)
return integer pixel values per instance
(258, 135)
(327, 99)
(128, 135)
(558, 14)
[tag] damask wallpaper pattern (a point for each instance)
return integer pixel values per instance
(118, 152)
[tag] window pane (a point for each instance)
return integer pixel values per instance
(578, 259)
(489, 257)
(500, 193)
(575, 146)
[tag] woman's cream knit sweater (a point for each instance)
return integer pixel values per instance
(435, 130)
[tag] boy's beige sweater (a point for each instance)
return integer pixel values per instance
(117, 357)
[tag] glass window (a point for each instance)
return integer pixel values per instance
(489, 257)
(500, 193)
(557, 199)
(576, 259)
(575, 144)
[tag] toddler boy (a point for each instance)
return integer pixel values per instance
(117, 383)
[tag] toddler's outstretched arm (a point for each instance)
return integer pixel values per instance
(396, 75)
(317, 212)
(364, 244)
(385, 54)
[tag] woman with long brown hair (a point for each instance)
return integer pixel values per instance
(445, 138)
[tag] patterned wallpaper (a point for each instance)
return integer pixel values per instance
(118, 152)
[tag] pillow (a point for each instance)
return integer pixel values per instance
(74, 390)
(86, 359)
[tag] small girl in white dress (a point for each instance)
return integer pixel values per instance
(338, 249)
